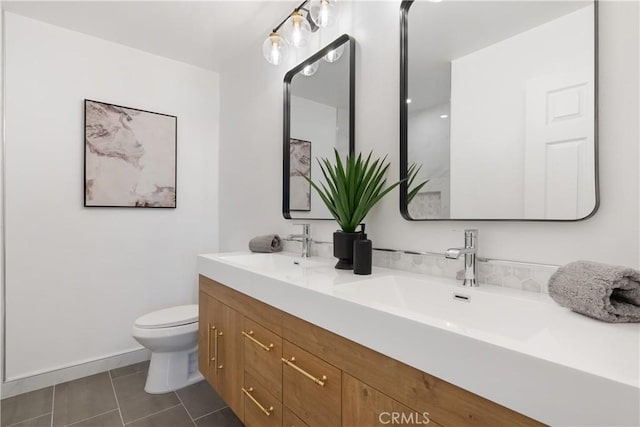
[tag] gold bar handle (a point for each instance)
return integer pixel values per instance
(255, 341)
(210, 328)
(266, 411)
(215, 341)
(320, 381)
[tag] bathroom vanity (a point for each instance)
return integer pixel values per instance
(275, 369)
(289, 341)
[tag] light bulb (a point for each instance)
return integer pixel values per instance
(310, 69)
(297, 30)
(334, 54)
(275, 49)
(324, 13)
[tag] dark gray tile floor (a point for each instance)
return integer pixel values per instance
(114, 399)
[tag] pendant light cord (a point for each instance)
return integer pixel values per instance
(297, 9)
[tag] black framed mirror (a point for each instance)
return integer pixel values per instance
(498, 110)
(319, 113)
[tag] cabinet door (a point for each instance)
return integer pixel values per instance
(207, 328)
(289, 419)
(365, 406)
(311, 387)
(230, 367)
(263, 356)
(220, 350)
(261, 408)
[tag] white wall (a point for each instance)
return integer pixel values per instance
(488, 111)
(252, 93)
(76, 277)
(317, 123)
(428, 147)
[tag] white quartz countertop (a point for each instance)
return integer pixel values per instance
(519, 349)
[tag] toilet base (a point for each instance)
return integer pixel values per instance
(171, 371)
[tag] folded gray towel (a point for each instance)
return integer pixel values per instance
(267, 244)
(606, 292)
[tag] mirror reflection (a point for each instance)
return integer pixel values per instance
(319, 120)
(500, 110)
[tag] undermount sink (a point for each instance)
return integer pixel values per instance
(446, 305)
(274, 261)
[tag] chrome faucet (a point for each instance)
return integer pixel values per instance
(469, 251)
(305, 238)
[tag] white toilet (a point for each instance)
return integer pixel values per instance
(172, 336)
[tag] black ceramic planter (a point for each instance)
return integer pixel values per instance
(343, 248)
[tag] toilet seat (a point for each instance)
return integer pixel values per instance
(169, 317)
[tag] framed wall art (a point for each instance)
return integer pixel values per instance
(129, 157)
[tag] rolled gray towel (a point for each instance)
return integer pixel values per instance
(267, 244)
(605, 292)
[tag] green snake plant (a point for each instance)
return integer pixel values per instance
(352, 187)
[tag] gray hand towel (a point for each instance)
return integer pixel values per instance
(266, 244)
(606, 292)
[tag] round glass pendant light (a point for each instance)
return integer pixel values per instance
(334, 54)
(297, 30)
(275, 49)
(324, 13)
(310, 70)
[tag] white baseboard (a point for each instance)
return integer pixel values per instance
(46, 379)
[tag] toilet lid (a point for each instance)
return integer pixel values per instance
(168, 317)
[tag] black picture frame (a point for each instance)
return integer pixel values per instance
(286, 134)
(404, 115)
(85, 144)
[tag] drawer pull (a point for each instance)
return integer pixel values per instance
(218, 334)
(255, 341)
(210, 359)
(319, 381)
(266, 411)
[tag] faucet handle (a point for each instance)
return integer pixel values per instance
(470, 238)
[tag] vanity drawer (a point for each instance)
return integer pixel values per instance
(262, 356)
(261, 408)
(289, 419)
(311, 387)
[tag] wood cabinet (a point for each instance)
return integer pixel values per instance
(262, 408)
(279, 370)
(311, 387)
(363, 405)
(263, 356)
(289, 419)
(221, 354)
(206, 328)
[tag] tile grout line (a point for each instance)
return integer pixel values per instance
(126, 375)
(115, 395)
(206, 415)
(53, 402)
(155, 413)
(185, 408)
(29, 419)
(90, 418)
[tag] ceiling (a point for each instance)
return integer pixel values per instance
(442, 32)
(202, 33)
